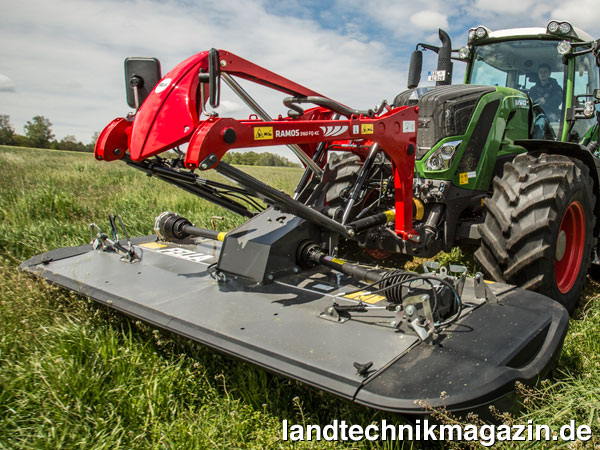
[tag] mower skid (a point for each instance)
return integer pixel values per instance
(280, 326)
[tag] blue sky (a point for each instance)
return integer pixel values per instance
(64, 58)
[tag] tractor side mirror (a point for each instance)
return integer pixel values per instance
(414, 69)
(141, 75)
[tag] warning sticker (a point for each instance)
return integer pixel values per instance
(263, 133)
(463, 178)
(153, 245)
(365, 297)
(408, 126)
(341, 262)
(366, 128)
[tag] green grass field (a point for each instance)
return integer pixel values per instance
(73, 375)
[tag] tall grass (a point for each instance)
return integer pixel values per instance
(74, 375)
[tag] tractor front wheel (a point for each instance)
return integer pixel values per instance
(538, 230)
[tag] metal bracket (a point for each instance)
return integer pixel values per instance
(101, 241)
(482, 290)
(332, 314)
(424, 331)
(461, 271)
(433, 265)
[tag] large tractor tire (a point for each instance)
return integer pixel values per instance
(341, 172)
(538, 231)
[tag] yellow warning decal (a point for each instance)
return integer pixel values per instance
(262, 133)
(390, 214)
(338, 261)
(366, 128)
(153, 245)
(365, 297)
(463, 178)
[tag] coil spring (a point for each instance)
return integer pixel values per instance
(392, 284)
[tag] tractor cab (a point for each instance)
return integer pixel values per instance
(556, 67)
(553, 66)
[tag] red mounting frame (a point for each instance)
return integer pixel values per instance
(169, 117)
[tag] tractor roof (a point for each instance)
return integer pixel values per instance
(533, 33)
(580, 35)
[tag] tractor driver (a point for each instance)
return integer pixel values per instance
(547, 93)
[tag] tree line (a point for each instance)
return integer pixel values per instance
(38, 134)
(257, 159)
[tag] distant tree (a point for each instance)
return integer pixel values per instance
(92, 144)
(7, 132)
(39, 132)
(69, 142)
(257, 159)
(21, 141)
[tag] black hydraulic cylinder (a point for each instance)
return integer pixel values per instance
(372, 221)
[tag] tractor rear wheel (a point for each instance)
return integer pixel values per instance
(538, 231)
(341, 172)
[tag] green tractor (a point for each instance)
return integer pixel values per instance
(508, 162)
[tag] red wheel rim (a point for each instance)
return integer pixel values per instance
(570, 243)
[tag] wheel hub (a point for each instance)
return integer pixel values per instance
(570, 245)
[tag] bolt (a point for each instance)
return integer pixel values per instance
(223, 63)
(270, 277)
(204, 166)
(296, 269)
(117, 151)
(410, 310)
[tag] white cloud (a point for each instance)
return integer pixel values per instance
(429, 20)
(6, 84)
(71, 69)
(583, 14)
(508, 7)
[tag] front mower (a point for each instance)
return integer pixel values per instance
(276, 291)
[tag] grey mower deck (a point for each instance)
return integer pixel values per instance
(277, 326)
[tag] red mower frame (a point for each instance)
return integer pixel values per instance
(172, 113)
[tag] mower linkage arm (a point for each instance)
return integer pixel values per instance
(290, 102)
(192, 183)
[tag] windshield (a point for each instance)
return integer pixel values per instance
(532, 66)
